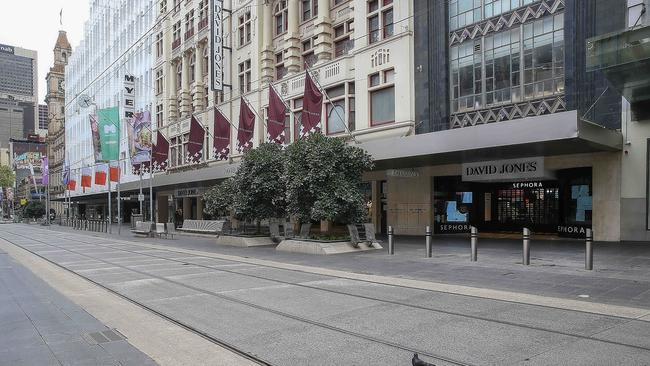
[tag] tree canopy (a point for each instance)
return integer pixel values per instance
(7, 177)
(219, 200)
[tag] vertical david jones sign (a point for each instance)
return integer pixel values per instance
(217, 45)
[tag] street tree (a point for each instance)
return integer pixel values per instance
(324, 177)
(7, 177)
(219, 200)
(34, 210)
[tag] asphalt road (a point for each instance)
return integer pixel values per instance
(288, 317)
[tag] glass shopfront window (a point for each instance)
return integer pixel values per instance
(452, 203)
(465, 12)
(523, 63)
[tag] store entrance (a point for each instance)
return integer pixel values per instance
(534, 205)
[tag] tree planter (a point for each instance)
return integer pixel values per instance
(243, 240)
(324, 247)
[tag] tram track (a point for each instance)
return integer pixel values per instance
(204, 334)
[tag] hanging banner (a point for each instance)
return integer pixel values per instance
(86, 177)
(101, 172)
(65, 174)
(109, 133)
(114, 171)
(246, 127)
(217, 45)
(45, 171)
(221, 143)
(312, 107)
(94, 131)
(139, 131)
(195, 142)
(160, 156)
(277, 113)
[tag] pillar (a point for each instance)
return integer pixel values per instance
(268, 56)
(172, 113)
(198, 78)
(187, 208)
(185, 86)
(292, 39)
(323, 24)
(199, 208)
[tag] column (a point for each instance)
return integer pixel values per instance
(171, 96)
(323, 25)
(268, 56)
(198, 78)
(199, 208)
(185, 86)
(292, 39)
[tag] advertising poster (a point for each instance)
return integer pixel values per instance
(140, 137)
(109, 133)
(94, 131)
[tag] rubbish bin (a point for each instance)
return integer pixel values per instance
(135, 218)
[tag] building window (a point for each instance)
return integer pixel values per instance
(192, 67)
(309, 9)
(380, 20)
(308, 54)
(178, 149)
(296, 114)
(203, 14)
(162, 6)
(281, 17)
(280, 70)
(206, 63)
(159, 44)
(189, 24)
(244, 28)
(503, 68)
(159, 116)
(382, 97)
(245, 76)
(176, 35)
(465, 12)
(342, 107)
(343, 42)
(179, 76)
(177, 6)
(206, 97)
(159, 82)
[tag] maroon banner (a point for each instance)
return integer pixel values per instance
(221, 141)
(160, 153)
(246, 127)
(311, 108)
(195, 142)
(277, 112)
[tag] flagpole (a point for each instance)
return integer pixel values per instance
(151, 190)
(119, 204)
(140, 196)
(322, 90)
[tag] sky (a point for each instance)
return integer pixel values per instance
(34, 24)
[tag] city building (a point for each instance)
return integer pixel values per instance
(42, 117)
(55, 124)
(27, 156)
(18, 93)
(116, 42)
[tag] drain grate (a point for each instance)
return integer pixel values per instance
(106, 336)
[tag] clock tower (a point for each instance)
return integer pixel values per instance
(55, 100)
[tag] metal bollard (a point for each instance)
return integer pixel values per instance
(427, 245)
(473, 235)
(391, 247)
(589, 250)
(526, 258)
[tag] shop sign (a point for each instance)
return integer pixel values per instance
(450, 228)
(217, 45)
(528, 185)
(6, 49)
(527, 168)
(403, 173)
(572, 231)
(189, 192)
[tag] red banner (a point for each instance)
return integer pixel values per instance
(160, 155)
(195, 142)
(72, 185)
(114, 171)
(86, 177)
(311, 108)
(277, 113)
(246, 127)
(221, 142)
(101, 172)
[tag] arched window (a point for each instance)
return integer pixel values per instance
(281, 17)
(192, 66)
(206, 60)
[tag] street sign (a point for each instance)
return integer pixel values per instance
(141, 197)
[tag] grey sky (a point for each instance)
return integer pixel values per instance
(34, 24)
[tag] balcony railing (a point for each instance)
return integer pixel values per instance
(176, 43)
(189, 34)
(203, 23)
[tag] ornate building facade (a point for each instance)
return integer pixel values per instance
(55, 100)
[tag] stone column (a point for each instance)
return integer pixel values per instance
(268, 56)
(185, 86)
(323, 24)
(171, 96)
(292, 40)
(198, 78)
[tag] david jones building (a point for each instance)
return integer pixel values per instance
(494, 114)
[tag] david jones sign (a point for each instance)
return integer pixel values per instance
(504, 169)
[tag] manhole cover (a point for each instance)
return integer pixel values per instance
(106, 336)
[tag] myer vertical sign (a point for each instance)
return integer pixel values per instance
(128, 101)
(217, 45)
(527, 168)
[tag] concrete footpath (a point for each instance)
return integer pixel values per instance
(39, 326)
(621, 274)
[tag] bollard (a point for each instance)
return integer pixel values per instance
(474, 241)
(427, 245)
(526, 258)
(391, 247)
(589, 250)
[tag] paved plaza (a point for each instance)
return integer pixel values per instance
(371, 308)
